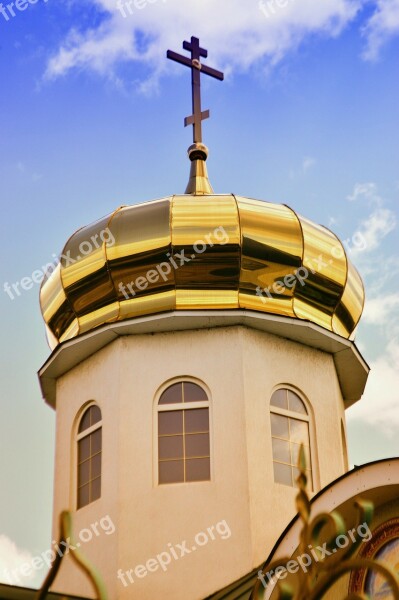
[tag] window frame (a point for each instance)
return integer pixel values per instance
(78, 436)
(307, 418)
(180, 406)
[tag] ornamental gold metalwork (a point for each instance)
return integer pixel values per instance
(321, 575)
(67, 541)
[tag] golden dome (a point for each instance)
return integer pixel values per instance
(201, 251)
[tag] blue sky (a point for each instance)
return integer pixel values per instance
(91, 117)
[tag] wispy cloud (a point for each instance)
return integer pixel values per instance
(378, 224)
(382, 26)
(381, 309)
(379, 405)
(12, 559)
(246, 38)
(307, 163)
(365, 191)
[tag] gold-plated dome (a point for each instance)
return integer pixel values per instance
(201, 252)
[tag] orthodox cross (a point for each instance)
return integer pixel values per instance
(196, 69)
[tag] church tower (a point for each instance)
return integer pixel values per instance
(197, 341)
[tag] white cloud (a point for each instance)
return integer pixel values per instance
(381, 273)
(367, 191)
(12, 559)
(380, 310)
(238, 34)
(374, 228)
(379, 405)
(332, 221)
(307, 163)
(382, 26)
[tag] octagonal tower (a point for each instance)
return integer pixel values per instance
(197, 340)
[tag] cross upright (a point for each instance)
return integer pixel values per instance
(196, 69)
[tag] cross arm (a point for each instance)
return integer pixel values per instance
(183, 60)
(212, 72)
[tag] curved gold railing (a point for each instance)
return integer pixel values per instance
(66, 540)
(322, 575)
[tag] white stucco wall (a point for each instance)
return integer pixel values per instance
(240, 368)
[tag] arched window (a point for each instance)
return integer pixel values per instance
(183, 434)
(89, 442)
(290, 428)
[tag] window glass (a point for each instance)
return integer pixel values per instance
(198, 469)
(295, 404)
(282, 473)
(196, 420)
(171, 447)
(90, 418)
(170, 422)
(197, 445)
(281, 451)
(299, 431)
(280, 426)
(89, 457)
(183, 435)
(288, 433)
(172, 395)
(95, 489)
(194, 393)
(279, 399)
(171, 471)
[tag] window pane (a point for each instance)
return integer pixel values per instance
(95, 439)
(83, 496)
(198, 469)
(194, 393)
(295, 403)
(172, 395)
(281, 451)
(95, 489)
(295, 455)
(282, 474)
(279, 398)
(171, 447)
(196, 420)
(171, 471)
(197, 445)
(299, 431)
(95, 414)
(84, 473)
(85, 421)
(279, 426)
(96, 466)
(84, 449)
(170, 422)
